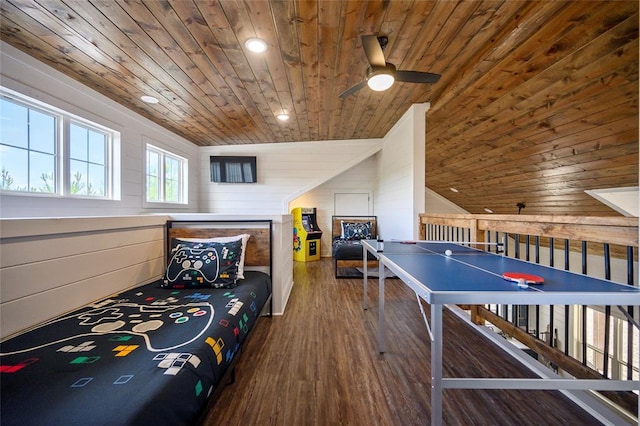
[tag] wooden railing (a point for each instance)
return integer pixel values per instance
(605, 247)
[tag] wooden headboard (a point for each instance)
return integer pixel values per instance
(336, 224)
(259, 246)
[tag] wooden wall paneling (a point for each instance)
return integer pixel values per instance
(162, 44)
(286, 15)
(254, 68)
(329, 34)
(487, 72)
(226, 54)
(492, 86)
(520, 80)
(275, 67)
(353, 69)
(101, 64)
(190, 37)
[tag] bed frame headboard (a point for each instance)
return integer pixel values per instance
(259, 246)
(336, 224)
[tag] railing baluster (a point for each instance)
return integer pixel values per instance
(607, 333)
(551, 312)
(551, 307)
(607, 261)
(506, 244)
(607, 314)
(631, 313)
(584, 307)
(537, 256)
(566, 307)
(527, 307)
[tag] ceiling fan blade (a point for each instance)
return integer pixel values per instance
(416, 77)
(372, 49)
(353, 89)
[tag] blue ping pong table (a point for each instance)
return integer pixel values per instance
(472, 276)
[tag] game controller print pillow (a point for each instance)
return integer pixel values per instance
(243, 237)
(196, 264)
(356, 230)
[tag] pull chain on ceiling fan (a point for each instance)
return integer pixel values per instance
(381, 74)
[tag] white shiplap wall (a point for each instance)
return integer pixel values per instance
(400, 189)
(285, 171)
(52, 266)
(23, 74)
(359, 179)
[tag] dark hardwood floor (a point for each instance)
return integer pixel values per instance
(319, 365)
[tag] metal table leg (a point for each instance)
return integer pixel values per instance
(365, 301)
(381, 307)
(436, 365)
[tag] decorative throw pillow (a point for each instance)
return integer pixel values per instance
(243, 237)
(356, 230)
(195, 264)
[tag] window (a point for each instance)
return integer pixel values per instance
(46, 150)
(166, 176)
(88, 166)
(29, 143)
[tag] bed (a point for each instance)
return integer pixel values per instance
(156, 354)
(346, 233)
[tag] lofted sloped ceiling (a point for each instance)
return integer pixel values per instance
(538, 101)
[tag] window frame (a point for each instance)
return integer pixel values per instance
(183, 177)
(62, 161)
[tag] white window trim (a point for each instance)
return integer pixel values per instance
(62, 170)
(184, 187)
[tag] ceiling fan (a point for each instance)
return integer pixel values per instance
(382, 74)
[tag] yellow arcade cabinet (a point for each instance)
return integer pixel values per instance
(306, 235)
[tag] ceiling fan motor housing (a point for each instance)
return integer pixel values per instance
(387, 69)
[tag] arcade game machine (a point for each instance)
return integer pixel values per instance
(306, 235)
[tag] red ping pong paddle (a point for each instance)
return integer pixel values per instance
(528, 278)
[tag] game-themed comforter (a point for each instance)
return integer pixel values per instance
(349, 250)
(150, 355)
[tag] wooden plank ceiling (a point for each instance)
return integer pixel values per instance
(538, 101)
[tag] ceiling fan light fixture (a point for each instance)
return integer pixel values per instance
(380, 81)
(255, 45)
(282, 117)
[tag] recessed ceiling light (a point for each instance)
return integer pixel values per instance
(282, 117)
(149, 99)
(453, 190)
(255, 45)
(488, 210)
